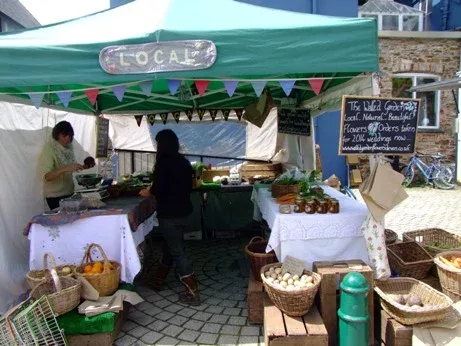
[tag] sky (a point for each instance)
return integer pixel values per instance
(53, 11)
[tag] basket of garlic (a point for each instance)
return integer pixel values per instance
(35, 277)
(292, 294)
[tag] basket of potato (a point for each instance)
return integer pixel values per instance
(292, 294)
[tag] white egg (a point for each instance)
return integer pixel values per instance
(280, 277)
(270, 280)
(267, 274)
(273, 276)
(276, 281)
(295, 277)
(309, 279)
(290, 287)
(309, 284)
(302, 284)
(286, 276)
(283, 284)
(278, 270)
(304, 277)
(271, 269)
(296, 283)
(290, 281)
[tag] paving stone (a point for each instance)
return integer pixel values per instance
(140, 343)
(189, 335)
(211, 328)
(232, 311)
(202, 316)
(222, 295)
(165, 315)
(178, 289)
(232, 330)
(193, 324)
(244, 313)
(214, 309)
(201, 307)
(228, 303)
(138, 332)
(162, 303)
(157, 325)
(172, 330)
(167, 341)
(237, 320)
(187, 312)
(239, 297)
(250, 331)
(214, 301)
(166, 293)
(207, 338)
(151, 337)
(154, 298)
(242, 305)
(178, 320)
(126, 340)
(174, 308)
(143, 319)
(222, 319)
(228, 340)
(120, 335)
(128, 325)
(144, 306)
(153, 311)
(248, 340)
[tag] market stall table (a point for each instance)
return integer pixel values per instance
(119, 227)
(313, 237)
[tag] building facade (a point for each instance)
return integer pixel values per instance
(14, 16)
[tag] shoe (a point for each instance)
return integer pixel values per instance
(191, 296)
(157, 280)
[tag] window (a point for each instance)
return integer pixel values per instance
(430, 101)
(396, 22)
(390, 22)
(410, 23)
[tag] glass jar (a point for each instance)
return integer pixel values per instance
(322, 207)
(309, 208)
(334, 206)
(299, 204)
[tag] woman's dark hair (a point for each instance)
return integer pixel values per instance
(167, 143)
(64, 128)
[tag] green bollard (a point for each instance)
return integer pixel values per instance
(353, 311)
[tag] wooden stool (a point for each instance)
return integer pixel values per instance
(255, 301)
(280, 329)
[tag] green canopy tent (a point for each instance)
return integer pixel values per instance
(251, 43)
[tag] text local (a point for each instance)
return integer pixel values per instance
(142, 57)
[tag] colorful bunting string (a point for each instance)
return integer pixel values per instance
(138, 119)
(146, 87)
(176, 116)
(258, 86)
(64, 97)
(173, 85)
(189, 113)
(201, 85)
(92, 95)
(119, 91)
(316, 85)
(164, 117)
(213, 113)
(230, 86)
(36, 99)
(287, 86)
(225, 114)
(239, 112)
(201, 113)
(151, 119)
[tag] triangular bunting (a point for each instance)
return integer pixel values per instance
(138, 119)
(119, 91)
(189, 114)
(287, 86)
(151, 119)
(36, 99)
(230, 86)
(64, 97)
(173, 85)
(258, 86)
(201, 113)
(164, 117)
(176, 116)
(316, 84)
(225, 114)
(146, 87)
(213, 113)
(239, 112)
(201, 85)
(92, 95)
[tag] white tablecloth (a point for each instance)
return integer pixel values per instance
(68, 242)
(314, 237)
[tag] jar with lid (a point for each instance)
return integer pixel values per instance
(299, 204)
(334, 206)
(309, 208)
(322, 207)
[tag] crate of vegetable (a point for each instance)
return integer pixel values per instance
(434, 240)
(449, 270)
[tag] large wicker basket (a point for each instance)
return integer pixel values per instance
(391, 236)
(432, 239)
(34, 277)
(279, 190)
(409, 259)
(293, 303)
(256, 251)
(435, 304)
(63, 292)
(450, 278)
(105, 283)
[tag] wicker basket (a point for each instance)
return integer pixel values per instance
(256, 251)
(34, 277)
(431, 236)
(293, 303)
(450, 278)
(391, 236)
(62, 292)
(279, 190)
(409, 259)
(435, 304)
(105, 283)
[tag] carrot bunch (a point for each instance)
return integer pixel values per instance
(287, 199)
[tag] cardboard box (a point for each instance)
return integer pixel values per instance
(352, 159)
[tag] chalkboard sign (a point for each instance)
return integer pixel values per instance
(102, 137)
(373, 125)
(294, 122)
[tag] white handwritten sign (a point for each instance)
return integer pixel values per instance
(295, 122)
(102, 137)
(293, 266)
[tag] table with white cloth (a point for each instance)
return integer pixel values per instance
(313, 237)
(119, 228)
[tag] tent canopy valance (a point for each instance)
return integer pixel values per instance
(252, 44)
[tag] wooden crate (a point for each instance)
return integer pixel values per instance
(283, 330)
(255, 301)
(393, 333)
(269, 170)
(328, 302)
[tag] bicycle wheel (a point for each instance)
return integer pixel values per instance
(443, 178)
(409, 173)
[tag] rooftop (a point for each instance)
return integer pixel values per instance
(387, 6)
(17, 12)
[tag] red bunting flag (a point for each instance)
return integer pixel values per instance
(176, 116)
(213, 113)
(225, 113)
(164, 117)
(316, 84)
(138, 119)
(201, 85)
(239, 112)
(92, 95)
(151, 119)
(201, 113)
(189, 113)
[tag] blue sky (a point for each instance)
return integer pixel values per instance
(53, 11)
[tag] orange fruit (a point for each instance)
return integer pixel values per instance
(98, 264)
(87, 269)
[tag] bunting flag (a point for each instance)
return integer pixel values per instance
(213, 113)
(146, 87)
(316, 84)
(151, 119)
(189, 113)
(138, 119)
(64, 97)
(92, 95)
(201, 85)
(164, 117)
(287, 86)
(201, 113)
(258, 86)
(176, 116)
(36, 99)
(239, 112)
(173, 85)
(119, 91)
(225, 114)
(230, 86)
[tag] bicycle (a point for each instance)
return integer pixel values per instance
(437, 172)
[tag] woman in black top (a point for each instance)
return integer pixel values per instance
(172, 186)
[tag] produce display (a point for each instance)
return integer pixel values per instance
(62, 271)
(454, 262)
(281, 279)
(96, 268)
(411, 300)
